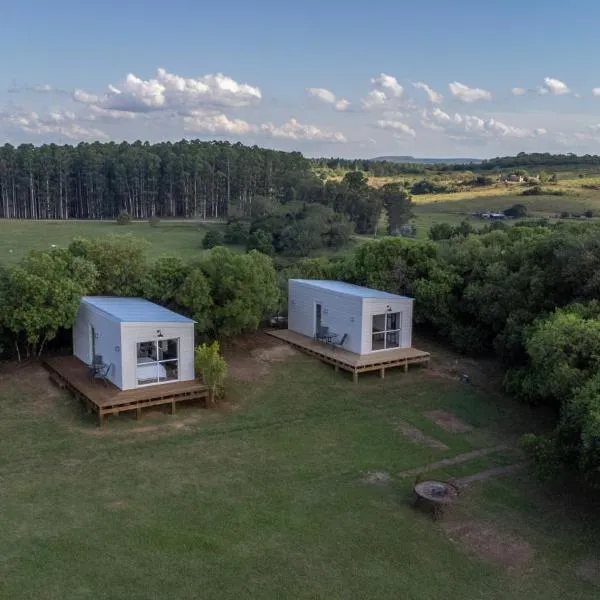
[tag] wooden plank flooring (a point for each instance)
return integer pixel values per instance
(348, 361)
(104, 399)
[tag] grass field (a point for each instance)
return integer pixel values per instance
(269, 497)
(179, 238)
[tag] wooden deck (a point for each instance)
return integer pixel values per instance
(106, 399)
(348, 361)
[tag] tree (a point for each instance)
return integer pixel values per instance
(243, 288)
(212, 368)
(213, 237)
(42, 294)
(517, 211)
(124, 218)
(119, 260)
(194, 295)
(397, 203)
(262, 241)
(164, 279)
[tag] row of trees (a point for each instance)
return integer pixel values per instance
(224, 292)
(184, 179)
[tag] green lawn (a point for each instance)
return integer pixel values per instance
(267, 500)
(179, 238)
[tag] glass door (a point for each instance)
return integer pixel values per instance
(157, 361)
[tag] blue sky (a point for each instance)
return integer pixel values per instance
(325, 78)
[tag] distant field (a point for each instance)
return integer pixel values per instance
(179, 238)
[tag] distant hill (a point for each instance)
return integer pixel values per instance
(407, 160)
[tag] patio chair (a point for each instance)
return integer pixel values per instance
(102, 373)
(96, 364)
(339, 343)
(322, 333)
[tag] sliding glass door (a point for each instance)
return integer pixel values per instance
(157, 361)
(387, 329)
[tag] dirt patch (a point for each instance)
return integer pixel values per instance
(492, 545)
(117, 505)
(417, 436)
(249, 356)
(448, 421)
(377, 478)
(589, 570)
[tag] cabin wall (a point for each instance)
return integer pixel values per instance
(375, 306)
(107, 342)
(133, 333)
(340, 312)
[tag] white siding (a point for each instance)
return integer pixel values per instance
(108, 340)
(132, 333)
(340, 312)
(375, 306)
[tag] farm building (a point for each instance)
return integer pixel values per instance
(138, 343)
(355, 328)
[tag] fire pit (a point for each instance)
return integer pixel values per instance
(435, 496)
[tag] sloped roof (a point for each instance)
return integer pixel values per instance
(134, 310)
(350, 289)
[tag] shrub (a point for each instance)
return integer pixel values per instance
(154, 221)
(589, 214)
(212, 369)
(517, 211)
(262, 241)
(237, 232)
(123, 218)
(212, 238)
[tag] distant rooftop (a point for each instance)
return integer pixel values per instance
(350, 289)
(134, 310)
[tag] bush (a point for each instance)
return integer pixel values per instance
(154, 221)
(517, 211)
(212, 238)
(589, 214)
(262, 241)
(212, 369)
(237, 232)
(123, 218)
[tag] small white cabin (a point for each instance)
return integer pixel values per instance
(371, 320)
(141, 343)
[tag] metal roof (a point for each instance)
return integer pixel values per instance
(350, 289)
(134, 310)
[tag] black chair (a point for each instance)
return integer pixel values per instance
(322, 333)
(96, 364)
(102, 373)
(341, 342)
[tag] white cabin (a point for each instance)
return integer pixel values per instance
(371, 320)
(141, 343)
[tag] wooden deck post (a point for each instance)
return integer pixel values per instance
(336, 368)
(172, 409)
(355, 376)
(138, 413)
(382, 373)
(406, 367)
(100, 418)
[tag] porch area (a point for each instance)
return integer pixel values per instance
(349, 361)
(103, 398)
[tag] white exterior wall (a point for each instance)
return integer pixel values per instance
(132, 333)
(341, 312)
(376, 306)
(108, 340)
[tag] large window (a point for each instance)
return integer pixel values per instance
(387, 329)
(157, 361)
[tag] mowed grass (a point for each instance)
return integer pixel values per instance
(267, 500)
(177, 238)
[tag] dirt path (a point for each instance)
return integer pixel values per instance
(490, 474)
(456, 460)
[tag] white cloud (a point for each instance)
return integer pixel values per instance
(328, 97)
(396, 127)
(388, 83)
(374, 98)
(472, 125)
(293, 130)
(554, 86)
(467, 94)
(62, 123)
(168, 91)
(596, 91)
(434, 96)
(518, 91)
(200, 122)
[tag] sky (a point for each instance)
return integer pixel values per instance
(327, 78)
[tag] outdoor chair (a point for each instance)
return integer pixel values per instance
(102, 372)
(96, 364)
(339, 343)
(322, 333)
